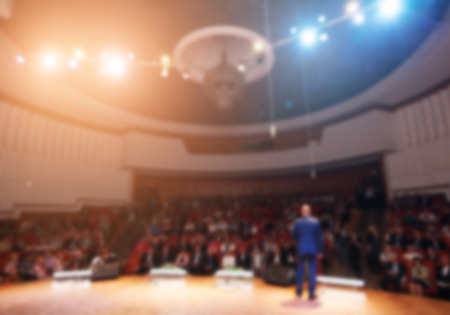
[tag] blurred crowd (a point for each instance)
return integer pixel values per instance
(36, 246)
(417, 243)
(204, 234)
(248, 232)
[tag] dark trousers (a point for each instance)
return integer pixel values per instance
(394, 281)
(312, 270)
(444, 293)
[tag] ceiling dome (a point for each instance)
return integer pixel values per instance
(352, 61)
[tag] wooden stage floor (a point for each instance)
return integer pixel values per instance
(135, 295)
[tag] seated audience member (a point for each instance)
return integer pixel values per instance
(432, 255)
(99, 259)
(445, 231)
(257, 261)
(445, 217)
(435, 242)
(76, 259)
(189, 227)
(372, 249)
(197, 263)
(354, 253)
(5, 244)
(420, 277)
(443, 278)
(25, 267)
(428, 217)
(184, 245)
(53, 262)
(394, 271)
(410, 219)
(182, 260)
(397, 239)
(38, 271)
(411, 253)
(227, 246)
(274, 256)
(417, 241)
(167, 255)
(386, 255)
(147, 261)
(243, 258)
(11, 269)
(102, 258)
(228, 260)
(155, 227)
(287, 252)
(211, 263)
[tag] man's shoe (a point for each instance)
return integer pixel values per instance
(312, 297)
(299, 295)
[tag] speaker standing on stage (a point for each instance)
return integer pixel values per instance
(308, 235)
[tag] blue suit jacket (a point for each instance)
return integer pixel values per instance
(308, 235)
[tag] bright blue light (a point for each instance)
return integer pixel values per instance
(293, 30)
(324, 37)
(390, 8)
(322, 19)
(308, 37)
(359, 19)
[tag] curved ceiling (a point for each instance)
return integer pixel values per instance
(349, 65)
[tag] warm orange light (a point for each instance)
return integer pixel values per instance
(78, 53)
(258, 46)
(165, 60)
(50, 60)
(20, 59)
(73, 63)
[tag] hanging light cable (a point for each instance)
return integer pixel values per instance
(270, 95)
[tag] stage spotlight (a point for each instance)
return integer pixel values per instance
(258, 46)
(241, 67)
(390, 8)
(165, 72)
(165, 60)
(115, 65)
(20, 59)
(308, 37)
(78, 53)
(352, 7)
(322, 19)
(72, 63)
(323, 37)
(50, 60)
(293, 30)
(359, 19)
(186, 76)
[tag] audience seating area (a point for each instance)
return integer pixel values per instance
(248, 232)
(417, 243)
(205, 234)
(38, 244)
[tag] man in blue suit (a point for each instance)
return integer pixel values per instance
(308, 235)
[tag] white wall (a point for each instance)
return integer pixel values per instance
(422, 134)
(46, 162)
(50, 163)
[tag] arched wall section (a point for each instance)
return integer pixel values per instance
(421, 161)
(47, 162)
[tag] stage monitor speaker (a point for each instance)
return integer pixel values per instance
(108, 270)
(280, 275)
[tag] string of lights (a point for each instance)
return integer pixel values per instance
(116, 64)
